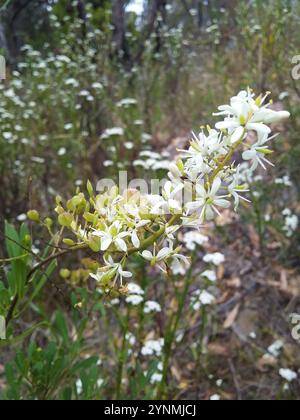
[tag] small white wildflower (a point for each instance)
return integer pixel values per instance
(134, 300)
(156, 378)
(97, 86)
(37, 159)
(68, 126)
(153, 347)
(151, 306)
(215, 397)
(126, 103)
(275, 348)
(208, 201)
(21, 217)
(108, 163)
(128, 145)
(62, 151)
(115, 302)
(100, 382)
(219, 383)
(79, 386)
(135, 289)
(84, 93)
(194, 238)
(288, 374)
(210, 275)
(217, 258)
(112, 132)
(131, 339)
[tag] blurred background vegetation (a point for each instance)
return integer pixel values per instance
(93, 87)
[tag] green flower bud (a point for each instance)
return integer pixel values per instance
(48, 222)
(65, 219)
(65, 273)
(69, 242)
(90, 189)
(95, 244)
(33, 215)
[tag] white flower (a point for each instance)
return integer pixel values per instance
(162, 255)
(217, 258)
(97, 85)
(180, 264)
(247, 113)
(72, 82)
(113, 132)
(84, 93)
(275, 348)
(62, 151)
(206, 298)
(111, 270)
(285, 180)
(235, 189)
(79, 386)
(151, 306)
(208, 201)
(126, 103)
(131, 339)
(258, 151)
(202, 298)
(156, 378)
(194, 238)
(21, 217)
(134, 300)
(153, 347)
(112, 235)
(288, 374)
(210, 275)
(134, 232)
(68, 126)
(215, 397)
(291, 222)
(135, 289)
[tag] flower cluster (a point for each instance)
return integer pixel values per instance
(204, 180)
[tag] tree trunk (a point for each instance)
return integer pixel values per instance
(119, 24)
(154, 7)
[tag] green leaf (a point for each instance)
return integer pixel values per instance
(21, 337)
(62, 326)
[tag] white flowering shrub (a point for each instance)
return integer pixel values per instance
(201, 183)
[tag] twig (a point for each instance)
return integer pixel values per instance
(235, 380)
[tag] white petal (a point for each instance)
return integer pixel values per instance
(223, 125)
(135, 240)
(237, 135)
(121, 244)
(126, 274)
(215, 186)
(222, 203)
(147, 255)
(163, 254)
(105, 243)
